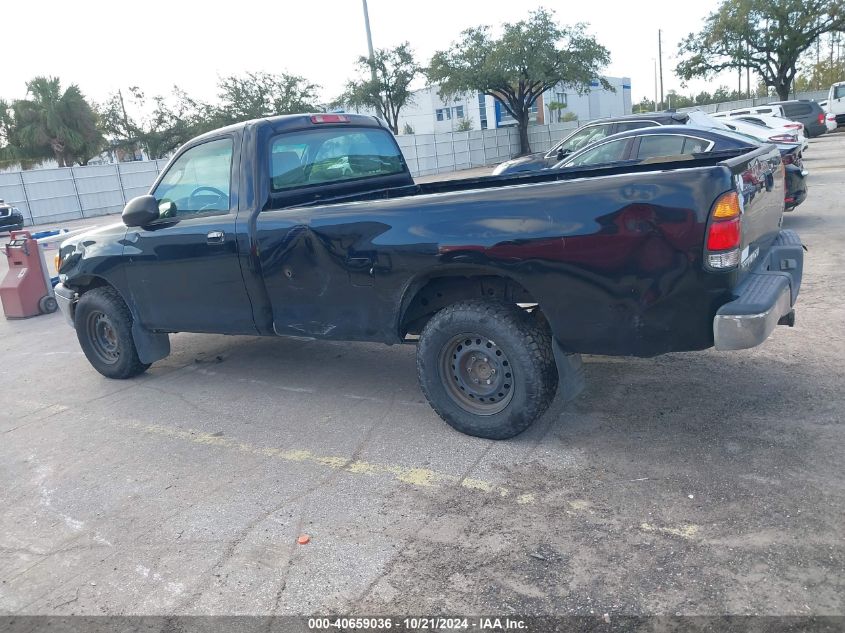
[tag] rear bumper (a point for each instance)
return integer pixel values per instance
(66, 298)
(764, 298)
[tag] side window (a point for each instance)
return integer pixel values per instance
(695, 145)
(838, 92)
(198, 181)
(654, 145)
(585, 137)
(763, 110)
(624, 126)
(609, 152)
(313, 157)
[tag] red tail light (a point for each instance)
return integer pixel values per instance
(821, 117)
(783, 138)
(788, 159)
(329, 118)
(724, 233)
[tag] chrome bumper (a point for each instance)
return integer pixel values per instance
(66, 299)
(741, 331)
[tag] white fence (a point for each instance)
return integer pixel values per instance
(71, 193)
(452, 151)
(816, 95)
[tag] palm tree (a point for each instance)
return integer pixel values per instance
(55, 123)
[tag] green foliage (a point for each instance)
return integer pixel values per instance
(821, 75)
(567, 117)
(258, 95)
(465, 125)
(407, 129)
(384, 83)
(530, 57)
(51, 123)
(557, 108)
(768, 36)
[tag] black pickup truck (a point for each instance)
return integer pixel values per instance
(311, 226)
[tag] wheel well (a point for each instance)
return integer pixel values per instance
(84, 284)
(438, 292)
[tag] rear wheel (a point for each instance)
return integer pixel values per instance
(104, 329)
(487, 368)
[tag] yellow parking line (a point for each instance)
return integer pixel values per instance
(422, 477)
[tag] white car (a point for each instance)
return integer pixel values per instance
(830, 121)
(765, 133)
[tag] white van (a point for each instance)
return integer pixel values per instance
(836, 102)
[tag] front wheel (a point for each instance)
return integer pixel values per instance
(104, 328)
(487, 368)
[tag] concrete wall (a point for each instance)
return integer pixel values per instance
(815, 95)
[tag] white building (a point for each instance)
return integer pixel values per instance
(429, 113)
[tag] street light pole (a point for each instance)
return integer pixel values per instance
(660, 56)
(369, 41)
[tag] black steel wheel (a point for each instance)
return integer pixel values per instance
(104, 329)
(487, 368)
(481, 374)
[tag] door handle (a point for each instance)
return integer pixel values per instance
(215, 237)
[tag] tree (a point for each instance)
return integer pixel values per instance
(52, 123)
(557, 107)
(530, 57)
(171, 121)
(645, 105)
(767, 36)
(258, 95)
(384, 83)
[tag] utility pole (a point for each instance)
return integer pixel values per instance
(369, 41)
(370, 48)
(748, 69)
(660, 56)
(655, 83)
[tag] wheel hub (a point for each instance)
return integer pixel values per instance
(477, 374)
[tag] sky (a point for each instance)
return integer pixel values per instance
(105, 45)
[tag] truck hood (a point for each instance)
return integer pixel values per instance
(90, 244)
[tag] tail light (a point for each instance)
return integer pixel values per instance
(329, 118)
(794, 126)
(821, 117)
(724, 232)
(788, 159)
(783, 138)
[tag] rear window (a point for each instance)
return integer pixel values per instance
(315, 157)
(797, 109)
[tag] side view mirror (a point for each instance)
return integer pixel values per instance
(140, 211)
(560, 154)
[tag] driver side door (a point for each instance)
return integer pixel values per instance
(183, 269)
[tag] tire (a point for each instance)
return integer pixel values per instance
(47, 304)
(104, 328)
(472, 342)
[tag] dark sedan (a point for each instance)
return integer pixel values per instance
(586, 135)
(11, 219)
(657, 143)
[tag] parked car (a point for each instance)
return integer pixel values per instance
(311, 225)
(772, 122)
(830, 121)
(655, 144)
(763, 132)
(11, 218)
(765, 109)
(807, 112)
(583, 136)
(836, 102)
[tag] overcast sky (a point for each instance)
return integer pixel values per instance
(105, 45)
